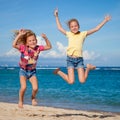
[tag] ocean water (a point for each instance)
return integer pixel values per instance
(101, 92)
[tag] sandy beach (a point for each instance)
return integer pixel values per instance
(9, 111)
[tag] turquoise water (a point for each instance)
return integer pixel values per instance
(100, 92)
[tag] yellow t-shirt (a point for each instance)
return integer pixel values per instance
(75, 43)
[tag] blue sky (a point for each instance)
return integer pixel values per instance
(101, 48)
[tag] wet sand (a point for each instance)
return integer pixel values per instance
(10, 111)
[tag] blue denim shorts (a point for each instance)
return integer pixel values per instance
(75, 62)
(27, 73)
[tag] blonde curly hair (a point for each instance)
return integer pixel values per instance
(22, 39)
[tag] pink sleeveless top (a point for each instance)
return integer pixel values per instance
(28, 59)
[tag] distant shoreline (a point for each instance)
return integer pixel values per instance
(42, 67)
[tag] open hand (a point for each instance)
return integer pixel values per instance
(22, 32)
(107, 17)
(56, 12)
(44, 36)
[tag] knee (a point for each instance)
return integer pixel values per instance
(23, 88)
(35, 89)
(82, 81)
(71, 82)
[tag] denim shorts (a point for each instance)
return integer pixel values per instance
(27, 73)
(75, 62)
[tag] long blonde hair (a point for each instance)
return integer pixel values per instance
(22, 39)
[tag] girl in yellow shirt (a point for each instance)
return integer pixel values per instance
(74, 49)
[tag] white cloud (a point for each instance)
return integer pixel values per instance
(60, 52)
(90, 55)
(12, 52)
(40, 40)
(61, 48)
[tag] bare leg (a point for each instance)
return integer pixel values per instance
(22, 91)
(83, 74)
(34, 83)
(69, 78)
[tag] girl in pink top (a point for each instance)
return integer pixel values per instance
(25, 41)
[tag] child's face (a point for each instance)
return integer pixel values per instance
(31, 41)
(74, 27)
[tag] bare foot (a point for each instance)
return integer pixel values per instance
(20, 104)
(56, 71)
(34, 102)
(91, 67)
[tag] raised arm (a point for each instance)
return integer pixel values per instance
(59, 26)
(20, 33)
(48, 44)
(99, 26)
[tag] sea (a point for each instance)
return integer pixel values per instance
(101, 91)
